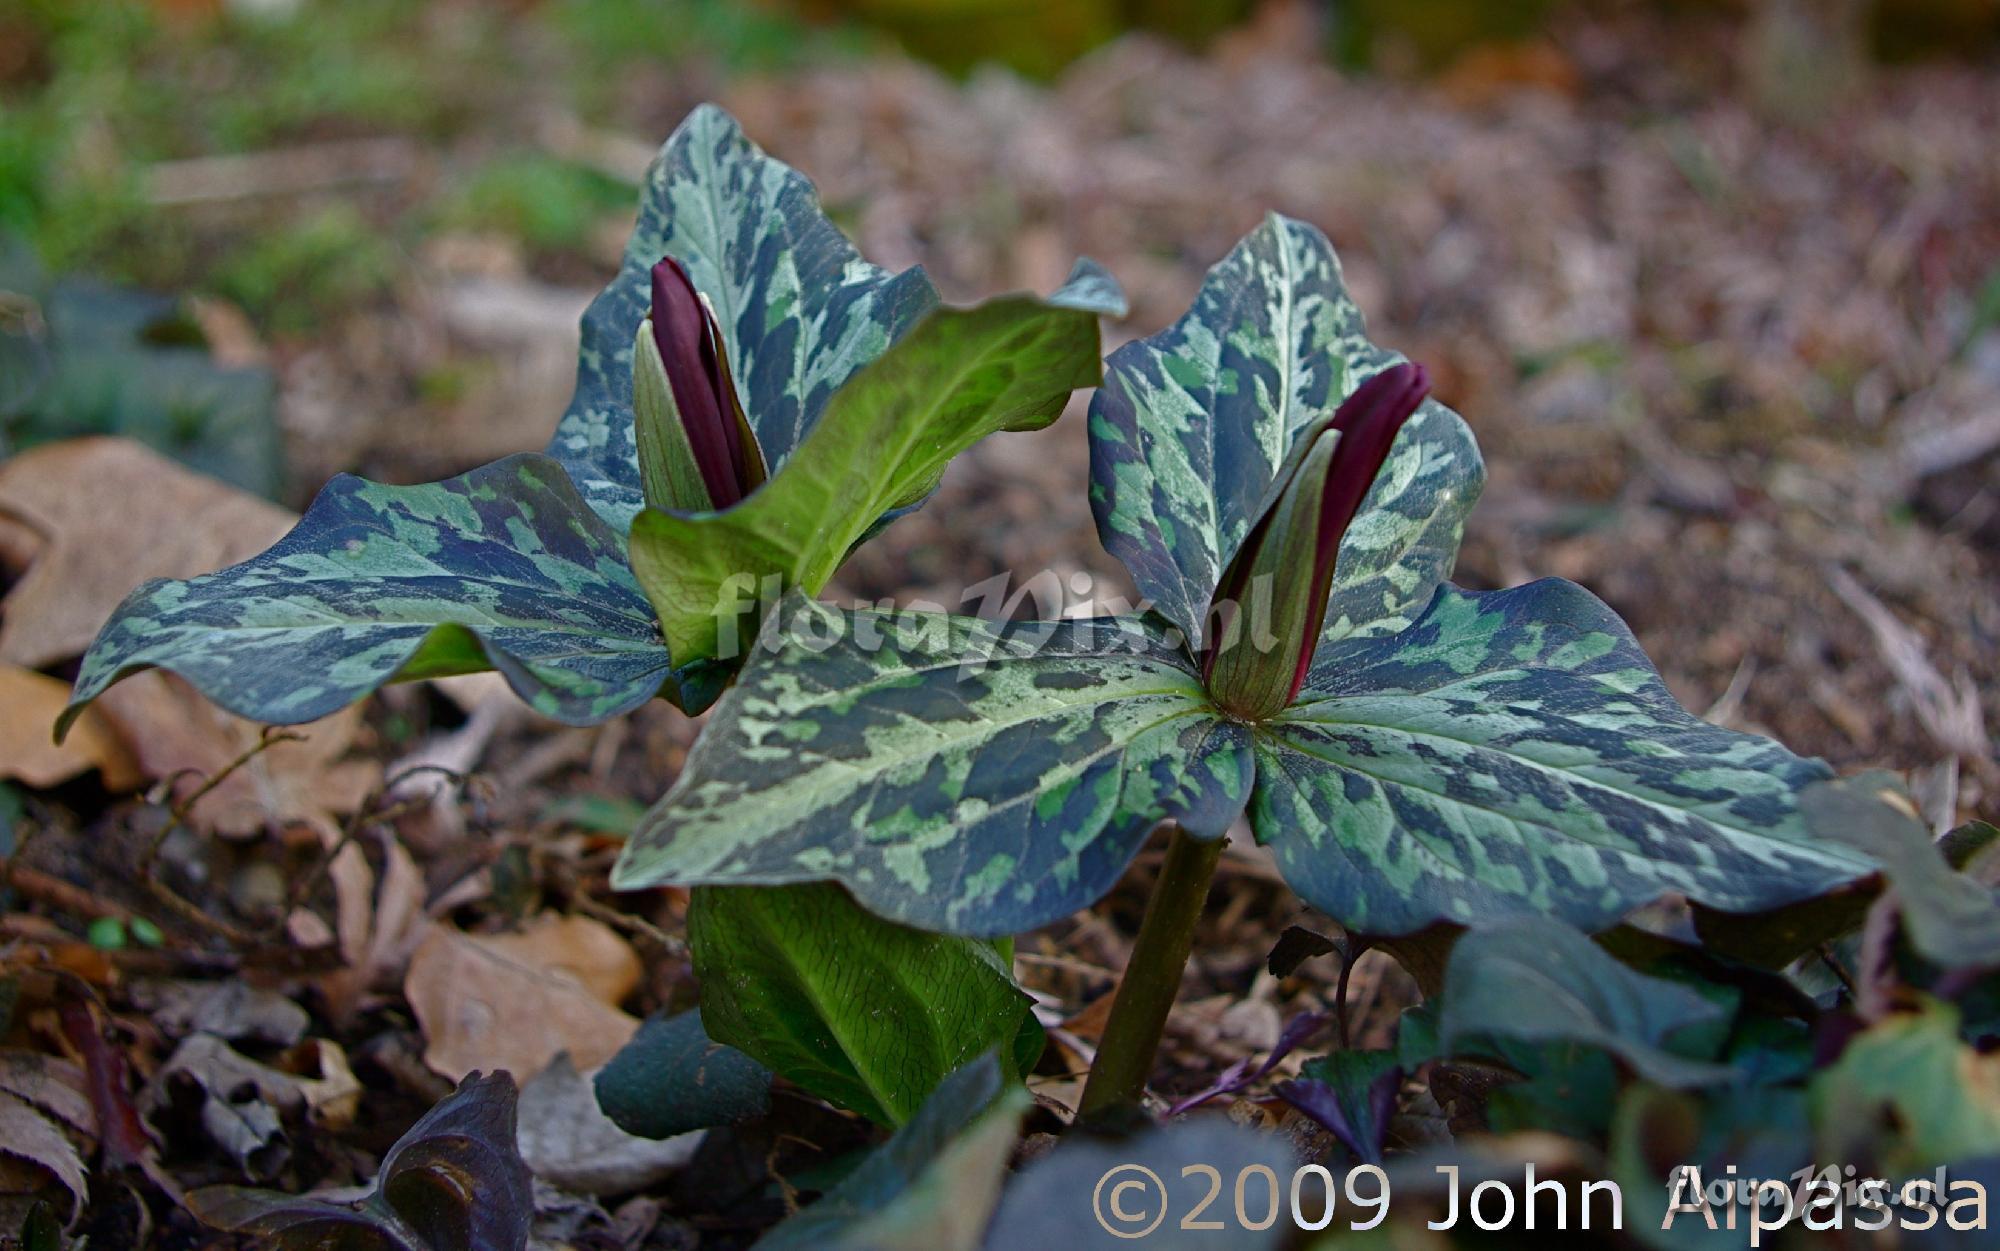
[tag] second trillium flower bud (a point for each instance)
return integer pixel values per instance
(697, 452)
(1265, 620)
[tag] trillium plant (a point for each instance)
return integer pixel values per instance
(881, 799)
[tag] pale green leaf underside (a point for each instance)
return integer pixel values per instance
(1515, 752)
(867, 1013)
(882, 444)
(1191, 425)
(952, 795)
(505, 567)
(800, 310)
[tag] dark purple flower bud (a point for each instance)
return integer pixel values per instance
(696, 449)
(1270, 606)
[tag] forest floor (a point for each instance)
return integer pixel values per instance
(1733, 361)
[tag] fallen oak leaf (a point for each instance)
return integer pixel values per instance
(31, 702)
(240, 1104)
(176, 734)
(567, 1139)
(515, 1000)
(243, 1105)
(72, 507)
(53, 1085)
(27, 1135)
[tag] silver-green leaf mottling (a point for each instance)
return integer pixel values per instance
(1515, 752)
(954, 774)
(516, 566)
(1191, 424)
(881, 446)
(505, 567)
(800, 310)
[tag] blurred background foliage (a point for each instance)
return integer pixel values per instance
(94, 96)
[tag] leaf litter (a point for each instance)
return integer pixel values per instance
(1698, 383)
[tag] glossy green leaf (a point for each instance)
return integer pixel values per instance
(505, 567)
(672, 1078)
(933, 1185)
(1533, 980)
(1515, 752)
(882, 444)
(860, 1011)
(954, 774)
(1911, 1079)
(800, 310)
(1192, 424)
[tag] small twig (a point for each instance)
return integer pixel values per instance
(291, 171)
(181, 811)
(374, 812)
(639, 926)
(180, 816)
(1068, 964)
(58, 894)
(1840, 974)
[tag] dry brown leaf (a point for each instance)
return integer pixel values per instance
(105, 514)
(172, 729)
(51, 1084)
(25, 1134)
(566, 1139)
(513, 1001)
(29, 705)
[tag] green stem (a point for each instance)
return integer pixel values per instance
(1152, 975)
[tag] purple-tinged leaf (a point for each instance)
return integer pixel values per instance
(1240, 1076)
(454, 1182)
(1352, 1094)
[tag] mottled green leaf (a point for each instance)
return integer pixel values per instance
(1515, 752)
(673, 1078)
(1532, 979)
(800, 310)
(955, 774)
(864, 1012)
(1951, 917)
(504, 567)
(933, 1185)
(883, 443)
(1911, 1079)
(1191, 425)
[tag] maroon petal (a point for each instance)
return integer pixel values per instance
(1368, 421)
(686, 335)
